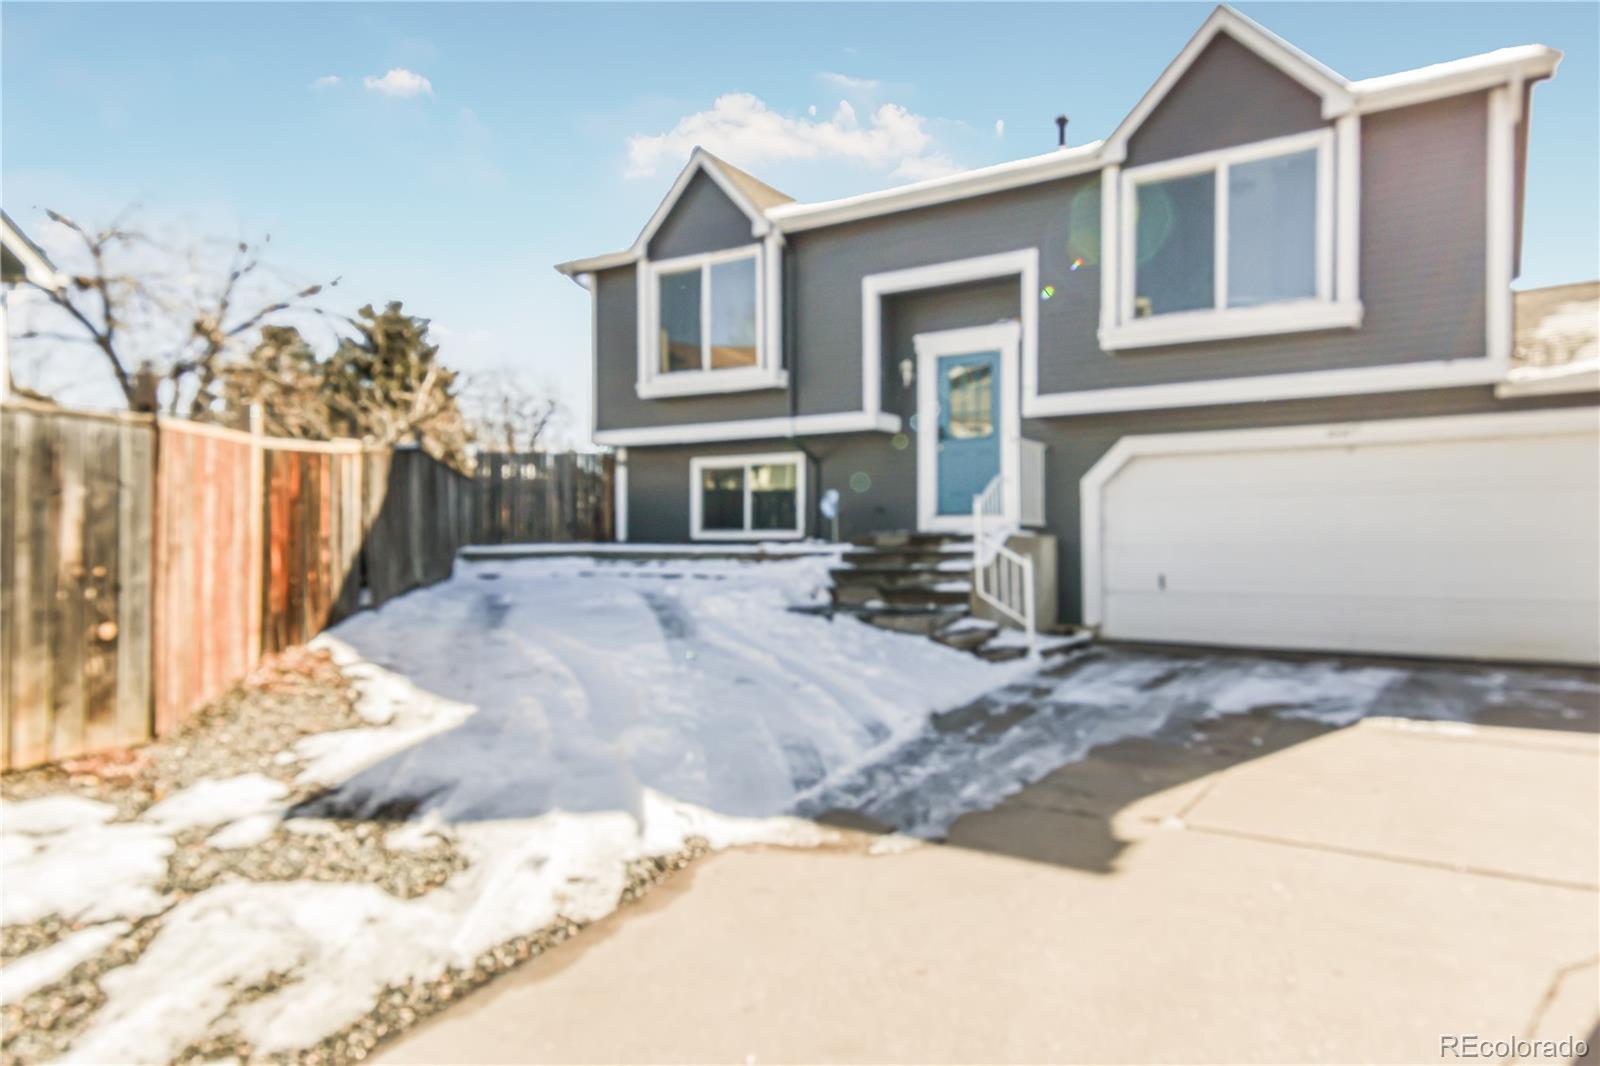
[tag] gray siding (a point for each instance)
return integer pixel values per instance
(617, 406)
(909, 313)
(1229, 96)
(885, 498)
(703, 220)
(1422, 266)
(876, 481)
(1422, 244)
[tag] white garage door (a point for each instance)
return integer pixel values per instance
(1476, 537)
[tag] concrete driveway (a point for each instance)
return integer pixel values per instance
(1260, 887)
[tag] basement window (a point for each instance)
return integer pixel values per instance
(747, 497)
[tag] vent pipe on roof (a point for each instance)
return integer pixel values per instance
(1061, 131)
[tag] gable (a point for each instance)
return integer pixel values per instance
(704, 219)
(1229, 96)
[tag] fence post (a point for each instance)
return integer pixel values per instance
(255, 506)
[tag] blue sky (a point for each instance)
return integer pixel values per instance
(545, 132)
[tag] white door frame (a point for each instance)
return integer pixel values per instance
(1004, 337)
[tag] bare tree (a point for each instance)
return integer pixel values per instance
(201, 315)
(509, 415)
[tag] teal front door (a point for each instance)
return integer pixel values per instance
(969, 428)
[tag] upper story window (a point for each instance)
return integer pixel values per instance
(1231, 243)
(702, 323)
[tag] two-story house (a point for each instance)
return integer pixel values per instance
(1242, 364)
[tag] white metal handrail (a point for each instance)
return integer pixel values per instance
(1001, 577)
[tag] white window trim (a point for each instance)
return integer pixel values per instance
(652, 383)
(701, 463)
(1004, 337)
(1336, 305)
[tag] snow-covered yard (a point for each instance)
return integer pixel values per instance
(551, 722)
(533, 742)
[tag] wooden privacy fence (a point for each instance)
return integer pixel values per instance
(533, 497)
(146, 565)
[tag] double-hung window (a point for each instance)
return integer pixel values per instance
(702, 323)
(1230, 243)
(747, 497)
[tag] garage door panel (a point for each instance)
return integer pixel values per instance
(1397, 625)
(1347, 568)
(1456, 545)
(1413, 517)
(1379, 469)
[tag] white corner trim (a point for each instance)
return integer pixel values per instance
(1023, 262)
(750, 429)
(1003, 337)
(1352, 381)
(1500, 243)
(619, 501)
(1091, 489)
(1333, 89)
(701, 463)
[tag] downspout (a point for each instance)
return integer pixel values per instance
(792, 365)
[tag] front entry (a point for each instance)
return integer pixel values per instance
(968, 451)
(967, 419)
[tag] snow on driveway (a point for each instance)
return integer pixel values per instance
(556, 719)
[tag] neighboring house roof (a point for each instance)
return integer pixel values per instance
(22, 260)
(1556, 340)
(1507, 66)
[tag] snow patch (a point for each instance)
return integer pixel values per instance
(52, 814)
(214, 802)
(23, 976)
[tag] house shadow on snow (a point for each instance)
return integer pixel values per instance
(1066, 814)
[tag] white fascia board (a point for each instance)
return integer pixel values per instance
(1398, 377)
(699, 161)
(1526, 62)
(751, 429)
(36, 268)
(1017, 173)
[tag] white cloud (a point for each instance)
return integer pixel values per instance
(399, 82)
(327, 81)
(849, 84)
(999, 128)
(743, 128)
(812, 110)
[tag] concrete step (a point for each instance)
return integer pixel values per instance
(915, 597)
(966, 635)
(1001, 653)
(904, 557)
(899, 577)
(921, 622)
(908, 539)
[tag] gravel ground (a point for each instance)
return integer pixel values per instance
(289, 697)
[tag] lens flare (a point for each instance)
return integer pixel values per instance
(1048, 291)
(1076, 263)
(900, 442)
(860, 481)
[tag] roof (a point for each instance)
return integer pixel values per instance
(22, 260)
(1507, 66)
(760, 193)
(1556, 326)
